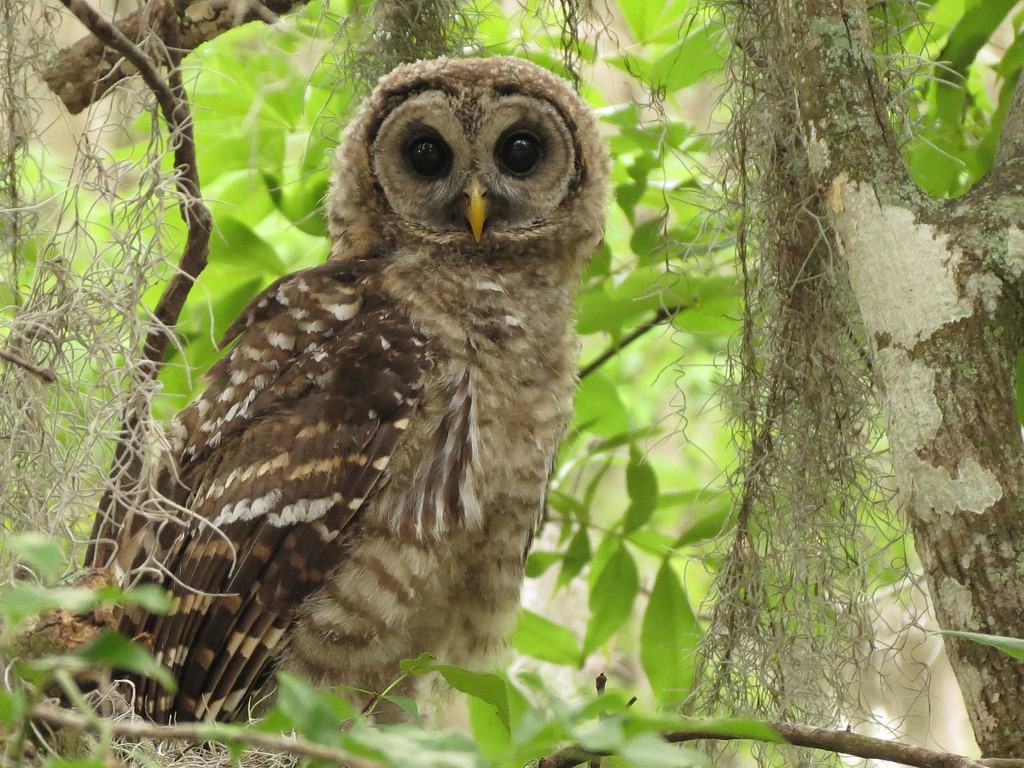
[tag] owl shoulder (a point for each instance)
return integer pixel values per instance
(328, 336)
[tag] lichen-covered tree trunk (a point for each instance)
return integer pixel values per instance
(939, 289)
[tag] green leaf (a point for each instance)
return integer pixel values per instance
(602, 735)
(408, 746)
(481, 685)
(539, 562)
(708, 525)
(684, 62)
(972, 32)
(316, 714)
(490, 733)
(24, 600)
(242, 195)
(577, 556)
(668, 637)
(236, 243)
(542, 639)
(649, 750)
(611, 598)
(1012, 646)
(109, 649)
(150, 597)
(654, 21)
(302, 202)
(417, 665)
(735, 727)
(407, 704)
(599, 409)
(13, 705)
(43, 554)
(642, 488)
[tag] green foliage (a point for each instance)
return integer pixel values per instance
(633, 499)
(1011, 646)
(955, 142)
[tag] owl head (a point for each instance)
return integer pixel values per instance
(483, 156)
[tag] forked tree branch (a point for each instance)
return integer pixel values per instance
(174, 106)
(84, 72)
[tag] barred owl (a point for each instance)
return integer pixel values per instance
(361, 479)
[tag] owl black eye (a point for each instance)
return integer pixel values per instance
(428, 156)
(519, 153)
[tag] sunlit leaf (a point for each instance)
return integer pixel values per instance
(1011, 646)
(648, 750)
(642, 489)
(668, 637)
(110, 649)
(487, 687)
(43, 554)
(24, 600)
(234, 242)
(309, 711)
(13, 705)
(611, 598)
(542, 639)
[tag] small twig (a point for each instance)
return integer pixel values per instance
(46, 374)
(174, 106)
(197, 733)
(663, 314)
(839, 742)
(599, 684)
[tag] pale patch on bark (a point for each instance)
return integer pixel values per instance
(914, 418)
(974, 489)
(909, 303)
(1015, 251)
(914, 415)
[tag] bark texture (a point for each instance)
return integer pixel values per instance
(938, 285)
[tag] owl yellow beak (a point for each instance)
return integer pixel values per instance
(476, 208)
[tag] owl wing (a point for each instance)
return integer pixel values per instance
(275, 459)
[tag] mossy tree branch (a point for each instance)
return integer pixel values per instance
(83, 73)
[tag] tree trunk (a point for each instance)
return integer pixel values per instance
(939, 287)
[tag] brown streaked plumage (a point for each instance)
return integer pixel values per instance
(361, 479)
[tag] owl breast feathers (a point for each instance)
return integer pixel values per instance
(360, 481)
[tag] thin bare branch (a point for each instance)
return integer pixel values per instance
(45, 374)
(797, 735)
(662, 315)
(174, 106)
(839, 742)
(198, 733)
